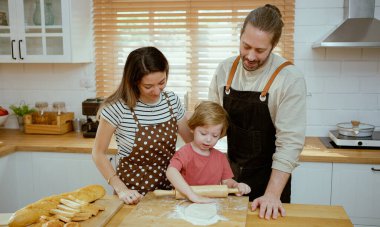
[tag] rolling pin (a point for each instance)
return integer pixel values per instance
(211, 191)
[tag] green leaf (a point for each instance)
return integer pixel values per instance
(21, 110)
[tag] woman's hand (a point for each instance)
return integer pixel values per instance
(130, 196)
(243, 189)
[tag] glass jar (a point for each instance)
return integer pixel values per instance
(59, 107)
(41, 116)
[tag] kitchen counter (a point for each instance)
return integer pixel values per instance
(72, 142)
(12, 140)
(297, 215)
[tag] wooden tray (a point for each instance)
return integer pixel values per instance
(58, 124)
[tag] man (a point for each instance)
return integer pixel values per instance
(265, 97)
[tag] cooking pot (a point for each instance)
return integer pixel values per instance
(355, 129)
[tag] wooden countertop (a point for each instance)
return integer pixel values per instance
(315, 151)
(72, 142)
(12, 140)
(297, 215)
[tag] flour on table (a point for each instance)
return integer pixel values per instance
(199, 214)
(201, 211)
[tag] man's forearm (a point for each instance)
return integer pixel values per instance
(277, 182)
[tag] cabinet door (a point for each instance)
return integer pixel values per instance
(8, 195)
(41, 35)
(45, 31)
(357, 188)
(311, 183)
(41, 174)
(8, 32)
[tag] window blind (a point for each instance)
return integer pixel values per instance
(194, 35)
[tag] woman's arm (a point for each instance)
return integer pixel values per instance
(175, 177)
(99, 156)
(184, 130)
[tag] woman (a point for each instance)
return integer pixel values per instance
(145, 120)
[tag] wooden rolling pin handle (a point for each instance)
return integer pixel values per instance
(233, 190)
(163, 192)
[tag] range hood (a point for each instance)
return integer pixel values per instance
(360, 29)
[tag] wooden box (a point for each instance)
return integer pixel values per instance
(54, 124)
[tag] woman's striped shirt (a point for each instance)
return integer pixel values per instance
(119, 115)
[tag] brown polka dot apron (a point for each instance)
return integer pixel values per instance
(144, 169)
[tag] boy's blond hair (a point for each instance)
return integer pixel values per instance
(209, 113)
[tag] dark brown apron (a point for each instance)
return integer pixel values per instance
(144, 169)
(251, 135)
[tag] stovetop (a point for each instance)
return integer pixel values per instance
(336, 140)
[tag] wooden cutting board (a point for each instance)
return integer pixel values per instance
(159, 211)
(112, 204)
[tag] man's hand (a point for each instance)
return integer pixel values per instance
(270, 205)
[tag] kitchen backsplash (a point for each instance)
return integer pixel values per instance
(343, 83)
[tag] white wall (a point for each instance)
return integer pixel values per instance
(70, 83)
(343, 84)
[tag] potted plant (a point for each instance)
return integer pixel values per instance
(21, 111)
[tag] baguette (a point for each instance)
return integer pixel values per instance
(31, 213)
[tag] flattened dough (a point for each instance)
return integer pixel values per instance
(205, 211)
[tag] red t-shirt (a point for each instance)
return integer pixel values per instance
(197, 169)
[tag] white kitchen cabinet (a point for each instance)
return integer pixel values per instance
(357, 188)
(45, 31)
(7, 190)
(29, 176)
(311, 183)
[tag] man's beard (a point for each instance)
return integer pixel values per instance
(254, 65)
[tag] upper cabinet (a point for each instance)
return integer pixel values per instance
(45, 31)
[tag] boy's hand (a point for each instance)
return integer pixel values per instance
(200, 199)
(243, 189)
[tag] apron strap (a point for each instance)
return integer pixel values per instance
(232, 74)
(169, 105)
(269, 83)
(134, 116)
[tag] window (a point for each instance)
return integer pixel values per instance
(195, 35)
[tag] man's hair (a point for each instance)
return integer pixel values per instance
(267, 18)
(209, 113)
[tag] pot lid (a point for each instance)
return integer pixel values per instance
(355, 125)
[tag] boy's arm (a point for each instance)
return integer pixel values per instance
(175, 177)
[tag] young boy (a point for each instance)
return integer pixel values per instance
(198, 163)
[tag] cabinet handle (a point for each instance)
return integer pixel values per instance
(13, 56)
(376, 170)
(19, 49)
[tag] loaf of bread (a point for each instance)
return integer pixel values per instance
(31, 213)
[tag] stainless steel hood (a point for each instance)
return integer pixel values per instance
(360, 29)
